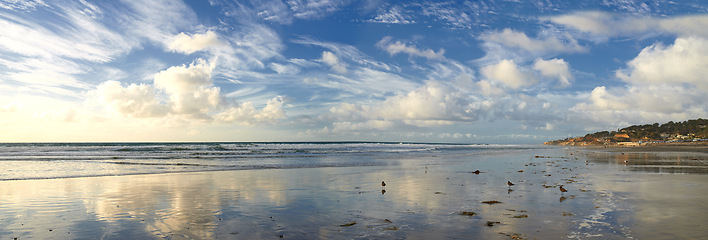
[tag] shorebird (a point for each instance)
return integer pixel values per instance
(383, 184)
(509, 183)
(562, 189)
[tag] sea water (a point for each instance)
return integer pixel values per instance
(23, 161)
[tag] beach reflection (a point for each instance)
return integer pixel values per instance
(424, 198)
(655, 162)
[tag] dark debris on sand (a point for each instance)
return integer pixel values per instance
(348, 224)
(465, 213)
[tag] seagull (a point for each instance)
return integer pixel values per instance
(509, 183)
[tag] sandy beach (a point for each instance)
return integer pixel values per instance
(611, 194)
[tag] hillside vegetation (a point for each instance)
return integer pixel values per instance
(690, 130)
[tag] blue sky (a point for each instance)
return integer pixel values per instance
(330, 70)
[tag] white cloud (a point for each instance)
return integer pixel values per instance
(641, 104)
(686, 26)
(284, 12)
(53, 58)
(247, 114)
(392, 15)
(24, 5)
(333, 61)
(601, 99)
(449, 13)
(339, 127)
(433, 104)
(686, 61)
(555, 68)
(189, 44)
(433, 101)
(251, 46)
(365, 82)
(488, 88)
(183, 93)
(612, 25)
(397, 47)
(507, 72)
(551, 44)
(287, 69)
(85, 39)
(135, 100)
(190, 88)
(347, 52)
(314, 9)
(663, 83)
(156, 20)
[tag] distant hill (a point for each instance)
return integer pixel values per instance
(690, 130)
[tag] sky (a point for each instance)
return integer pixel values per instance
(488, 71)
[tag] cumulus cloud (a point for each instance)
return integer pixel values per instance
(641, 104)
(436, 105)
(247, 114)
(187, 44)
(686, 61)
(550, 44)
(135, 100)
(433, 104)
(333, 61)
(663, 83)
(433, 101)
(507, 72)
(190, 88)
(554, 68)
(488, 88)
(185, 91)
(397, 47)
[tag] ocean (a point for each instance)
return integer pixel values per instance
(24, 161)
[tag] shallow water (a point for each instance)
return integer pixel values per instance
(423, 199)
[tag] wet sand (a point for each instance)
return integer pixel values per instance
(700, 147)
(610, 195)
